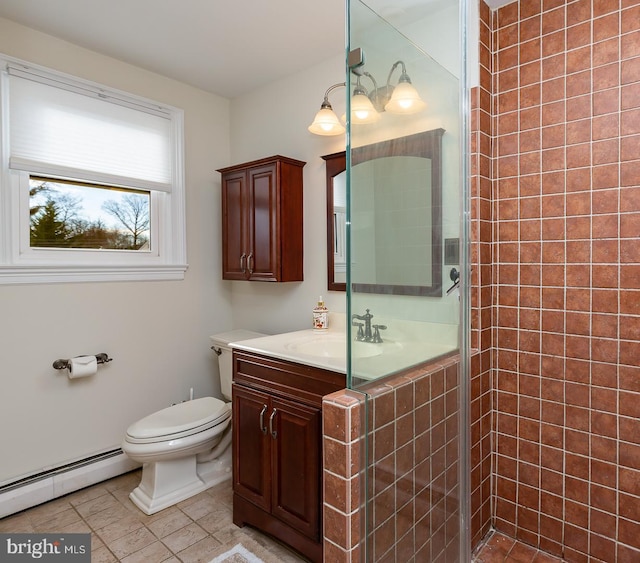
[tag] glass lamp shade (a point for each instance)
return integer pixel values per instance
(362, 110)
(405, 99)
(326, 123)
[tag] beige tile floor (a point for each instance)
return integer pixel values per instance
(195, 530)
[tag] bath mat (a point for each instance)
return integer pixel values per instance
(237, 554)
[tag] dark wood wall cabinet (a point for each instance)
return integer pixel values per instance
(277, 448)
(262, 237)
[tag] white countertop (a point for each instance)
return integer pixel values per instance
(327, 349)
(284, 347)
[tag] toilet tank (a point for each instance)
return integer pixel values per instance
(220, 345)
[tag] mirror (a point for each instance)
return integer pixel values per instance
(398, 186)
(336, 170)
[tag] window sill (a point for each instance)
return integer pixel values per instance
(81, 274)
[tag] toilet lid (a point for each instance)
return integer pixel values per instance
(195, 415)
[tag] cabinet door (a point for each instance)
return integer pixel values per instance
(264, 251)
(251, 446)
(296, 465)
(235, 202)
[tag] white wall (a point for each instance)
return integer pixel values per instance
(156, 361)
(274, 120)
(156, 332)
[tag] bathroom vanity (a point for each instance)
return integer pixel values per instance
(277, 447)
(278, 385)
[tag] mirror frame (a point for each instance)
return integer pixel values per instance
(334, 164)
(427, 144)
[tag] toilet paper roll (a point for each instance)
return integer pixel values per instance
(82, 366)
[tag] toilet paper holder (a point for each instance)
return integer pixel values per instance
(64, 364)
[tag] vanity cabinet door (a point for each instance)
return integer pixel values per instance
(264, 250)
(296, 466)
(234, 203)
(251, 446)
(277, 457)
(262, 226)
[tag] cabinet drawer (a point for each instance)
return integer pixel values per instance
(286, 379)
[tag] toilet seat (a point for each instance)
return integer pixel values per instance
(179, 421)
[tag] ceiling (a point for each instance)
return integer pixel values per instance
(227, 47)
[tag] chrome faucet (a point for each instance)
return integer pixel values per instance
(365, 335)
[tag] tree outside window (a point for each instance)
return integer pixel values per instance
(68, 215)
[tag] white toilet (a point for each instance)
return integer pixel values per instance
(184, 448)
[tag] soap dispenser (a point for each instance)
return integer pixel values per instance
(320, 316)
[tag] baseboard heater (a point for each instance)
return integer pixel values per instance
(58, 481)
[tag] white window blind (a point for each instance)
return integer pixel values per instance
(68, 130)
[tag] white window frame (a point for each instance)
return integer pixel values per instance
(22, 264)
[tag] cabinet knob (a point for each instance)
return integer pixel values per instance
(263, 428)
(274, 433)
(242, 259)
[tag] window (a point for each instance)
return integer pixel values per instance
(66, 214)
(91, 186)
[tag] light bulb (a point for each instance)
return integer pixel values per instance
(326, 123)
(362, 110)
(405, 99)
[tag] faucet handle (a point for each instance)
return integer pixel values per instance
(376, 332)
(360, 335)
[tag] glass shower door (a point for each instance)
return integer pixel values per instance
(405, 263)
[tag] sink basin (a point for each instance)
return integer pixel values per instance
(333, 346)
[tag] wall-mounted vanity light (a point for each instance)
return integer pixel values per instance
(366, 106)
(362, 108)
(400, 99)
(326, 121)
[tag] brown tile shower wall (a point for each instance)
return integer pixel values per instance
(413, 486)
(566, 211)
